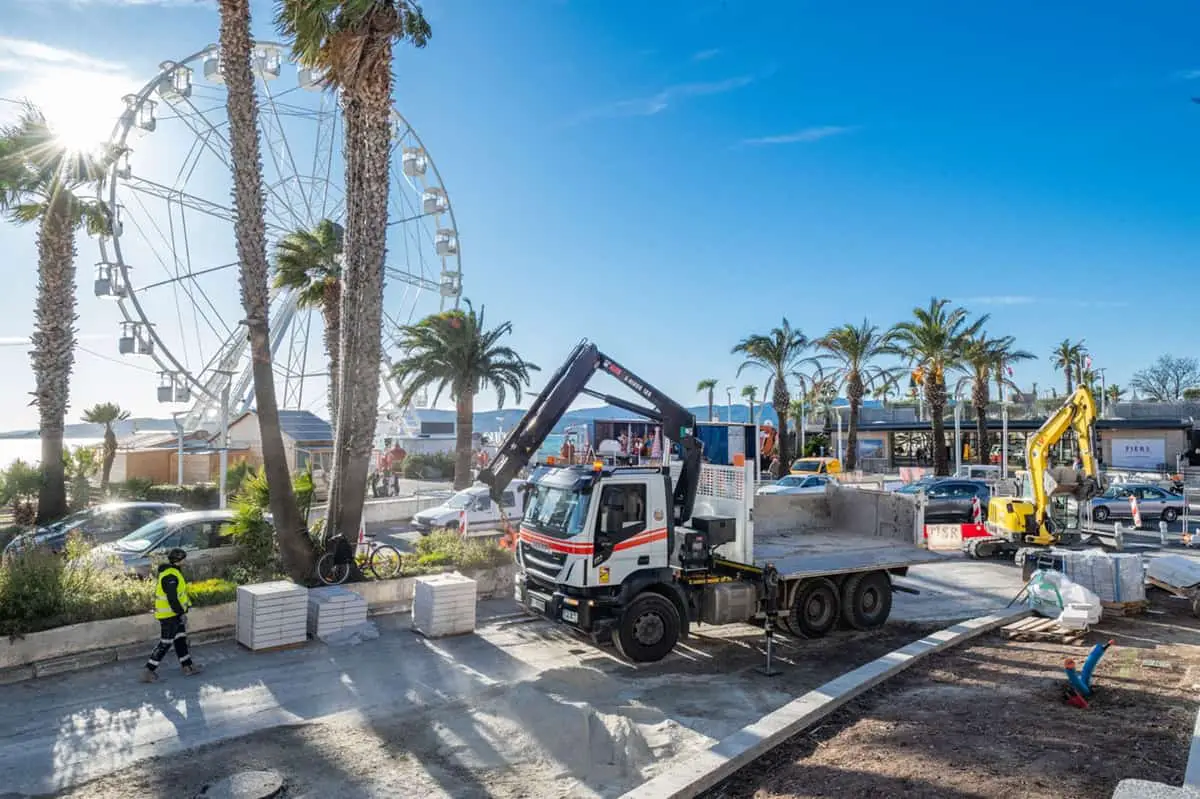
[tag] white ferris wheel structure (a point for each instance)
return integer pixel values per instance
(170, 263)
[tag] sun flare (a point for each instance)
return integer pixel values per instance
(81, 107)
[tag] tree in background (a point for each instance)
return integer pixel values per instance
(107, 414)
(750, 394)
(708, 384)
(855, 348)
(981, 358)
(1068, 357)
(779, 353)
(1165, 379)
(455, 351)
(933, 343)
(351, 43)
(44, 181)
(1114, 393)
(81, 464)
(310, 263)
(249, 229)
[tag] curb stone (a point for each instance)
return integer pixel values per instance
(696, 773)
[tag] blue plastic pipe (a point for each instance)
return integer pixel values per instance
(1089, 665)
(1075, 680)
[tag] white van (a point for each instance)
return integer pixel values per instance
(481, 512)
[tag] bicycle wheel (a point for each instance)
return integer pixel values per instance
(385, 562)
(330, 572)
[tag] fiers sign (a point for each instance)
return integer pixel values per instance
(1139, 453)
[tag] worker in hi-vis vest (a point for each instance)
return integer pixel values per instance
(171, 604)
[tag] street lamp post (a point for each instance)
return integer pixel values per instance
(957, 435)
(729, 404)
(223, 488)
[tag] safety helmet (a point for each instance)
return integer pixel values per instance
(176, 555)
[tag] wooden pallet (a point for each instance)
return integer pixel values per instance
(1125, 608)
(1035, 628)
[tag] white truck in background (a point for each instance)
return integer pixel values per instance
(641, 554)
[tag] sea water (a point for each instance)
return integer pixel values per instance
(30, 449)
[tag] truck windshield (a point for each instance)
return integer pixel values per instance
(557, 512)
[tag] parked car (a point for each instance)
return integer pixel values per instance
(949, 499)
(796, 484)
(98, 525)
(199, 533)
(804, 466)
(477, 505)
(1153, 503)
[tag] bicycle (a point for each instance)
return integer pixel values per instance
(382, 561)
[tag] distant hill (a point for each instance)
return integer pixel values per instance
(84, 430)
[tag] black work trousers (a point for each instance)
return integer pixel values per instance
(173, 631)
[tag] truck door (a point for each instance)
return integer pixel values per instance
(630, 529)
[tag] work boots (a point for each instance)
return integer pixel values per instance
(192, 669)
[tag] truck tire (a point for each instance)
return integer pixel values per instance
(816, 609)
(866, 600)
(648, 629)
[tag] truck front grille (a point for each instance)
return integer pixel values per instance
(542, 565)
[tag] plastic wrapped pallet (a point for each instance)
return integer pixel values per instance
(444, 604)
(271, 615)
(333, 609)
(1112, 576)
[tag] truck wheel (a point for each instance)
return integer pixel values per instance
(866, 600)
(816, 609)
(1100, 514)
(648, 630)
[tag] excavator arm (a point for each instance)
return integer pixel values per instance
(1078, 413)
(563, 388)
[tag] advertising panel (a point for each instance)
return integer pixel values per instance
(1138, 453)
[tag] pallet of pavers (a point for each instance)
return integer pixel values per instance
(444, 604)
(272, 615)
(333, 609)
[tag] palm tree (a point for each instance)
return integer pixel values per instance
(309, 262)
(295, 547)
(1068, 356)
(350, 42)
(454, 350)
(779, 353)
(983, 357)
(933, 342)
(708, 384)
(750, 393)
(855, 348)
(43, 181)
(1114, 393)
(107, 414)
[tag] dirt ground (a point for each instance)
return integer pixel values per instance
(988, 720)
(592, 729)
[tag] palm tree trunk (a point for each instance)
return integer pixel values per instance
(53, 354)
(367, 112)
(110, 455)
(295, 548)
(980, 400)
(854, 394)
(780, 401)
(935, 395)
(464, 427)
(331, 312)
(710, 405)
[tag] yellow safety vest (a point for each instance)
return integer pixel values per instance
(162, 607)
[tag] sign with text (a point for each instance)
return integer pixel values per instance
(1138, 453)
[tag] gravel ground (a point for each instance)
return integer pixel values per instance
(988, 720)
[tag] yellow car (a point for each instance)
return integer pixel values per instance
(816, 466)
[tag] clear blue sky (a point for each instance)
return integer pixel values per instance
(666, 177)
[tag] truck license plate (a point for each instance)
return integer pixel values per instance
(570, 616)
(537, 603)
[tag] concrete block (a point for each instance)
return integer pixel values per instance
(83, 660)
(1145, 789)
(16, 674)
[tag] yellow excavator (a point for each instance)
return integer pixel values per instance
(1015, 522)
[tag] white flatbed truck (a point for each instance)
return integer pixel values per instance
(642, 554)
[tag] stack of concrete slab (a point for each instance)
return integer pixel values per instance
(444, 604)
(333, 609)
(272, 615)
(1112, 576)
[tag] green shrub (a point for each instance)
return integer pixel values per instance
(204, 496)
(443, 548)
(9, 533)
(431, 466)
(135, 489)
(215, 591)
(251, 532)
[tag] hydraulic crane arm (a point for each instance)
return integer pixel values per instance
(564, 386)
(1078, 412)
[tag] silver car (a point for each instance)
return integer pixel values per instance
(798, 484)
(1153, 503)
(199, 533)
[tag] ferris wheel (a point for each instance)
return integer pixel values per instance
(171, 264)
